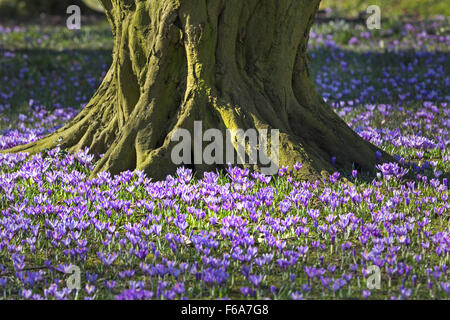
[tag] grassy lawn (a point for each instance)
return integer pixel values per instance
(232, 234)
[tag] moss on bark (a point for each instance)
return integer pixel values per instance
(229, 63)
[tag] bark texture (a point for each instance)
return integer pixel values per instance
(229, 63)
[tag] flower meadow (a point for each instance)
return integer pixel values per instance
(233, 234)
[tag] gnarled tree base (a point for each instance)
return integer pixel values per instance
(230, 64)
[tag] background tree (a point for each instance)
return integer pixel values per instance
(229, 63)
(26, 9)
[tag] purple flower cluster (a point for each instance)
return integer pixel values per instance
(241, 234)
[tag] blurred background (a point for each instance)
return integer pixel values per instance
(27, 9)
(390, 8)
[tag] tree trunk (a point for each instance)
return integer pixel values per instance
(228, 63)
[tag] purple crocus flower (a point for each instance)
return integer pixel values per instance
(446, 287)
(255, 279)
(110, 284)
(378, 155)
(297, 296)
(366, 293)
(3, 282)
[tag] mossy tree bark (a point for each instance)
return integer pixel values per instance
(229, 63)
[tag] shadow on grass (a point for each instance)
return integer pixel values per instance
(75, 65)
